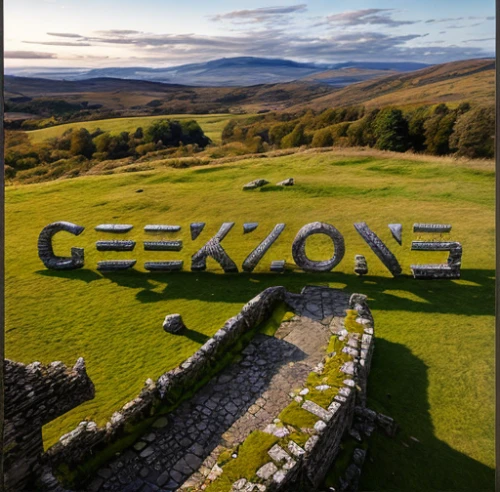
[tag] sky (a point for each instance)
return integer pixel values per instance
(160, 33)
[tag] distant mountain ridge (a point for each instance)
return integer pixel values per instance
(229, 72)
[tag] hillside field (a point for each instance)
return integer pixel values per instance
(433, 368)
(211, 124)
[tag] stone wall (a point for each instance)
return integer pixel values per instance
(293, 468)
(81, 445)
(35, 395)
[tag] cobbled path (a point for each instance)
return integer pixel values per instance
(179, 452)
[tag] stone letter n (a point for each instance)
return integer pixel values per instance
(214, 249)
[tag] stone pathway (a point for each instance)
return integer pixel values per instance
(249, 394)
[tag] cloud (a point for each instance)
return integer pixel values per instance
(478, 40)
(261, 14)
(118, 32)
(57, 43)
(64, 35)
(366, 17)
(28, 55)
(272, 42)
(455, 19)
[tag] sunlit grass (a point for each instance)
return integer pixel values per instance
(212, 125)
(434, 356)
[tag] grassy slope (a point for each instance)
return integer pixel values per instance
(469, 80)
(212, 125)
(433, 367)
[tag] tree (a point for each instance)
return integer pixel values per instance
(391, 130)
(416, 128)
(295, 139)
(322, 138)
(474, 133)
(81, 143)
(438, 129)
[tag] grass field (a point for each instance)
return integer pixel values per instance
(433, 369)
(212, 125)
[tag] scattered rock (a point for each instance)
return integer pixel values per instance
(249, 227)
(256, 183)
(173, 323)
(286, 182)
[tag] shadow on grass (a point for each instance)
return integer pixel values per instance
(472, 295)
(195, 336)
(430, 464)
(85, 275)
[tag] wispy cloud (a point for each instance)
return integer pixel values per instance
(64, 35)
(260, 14)
(367, 17)
(57, 43)
(28, 55)
(455, 19)
(282, 43)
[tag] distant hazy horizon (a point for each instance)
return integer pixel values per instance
(59, 34)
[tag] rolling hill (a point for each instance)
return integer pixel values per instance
(133, 97)
(468, 80)
(223, 72)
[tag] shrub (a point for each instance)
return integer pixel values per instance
(322, 138)
(474, 134)
(295, 139)
(81, 143)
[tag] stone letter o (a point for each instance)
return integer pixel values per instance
(299, 247)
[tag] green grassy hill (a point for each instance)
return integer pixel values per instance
(212, 125)
(469, 80)
(434, 357)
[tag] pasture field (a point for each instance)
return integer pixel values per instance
(433, 368)
(212, 125)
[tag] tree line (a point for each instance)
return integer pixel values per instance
(464, 130)
(75, 146)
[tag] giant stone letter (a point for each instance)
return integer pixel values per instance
(299, 247)
(449, 270)
(379, 248)
(214, 249)
(256, 255)
(46, 252)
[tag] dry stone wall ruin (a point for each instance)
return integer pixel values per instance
(89, 440)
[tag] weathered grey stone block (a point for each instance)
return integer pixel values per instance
(162, 245)
(278, 266)
(196, 229)
(397, 232)
(115, 245)
(360, 265)
(162, 228)
(249, 227)
(436, 228)
(256, 183)
(116, 228)
(115, 265)
(163, 266)
(286, 182)
(173, 323)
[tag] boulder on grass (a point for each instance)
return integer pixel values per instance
(173, 323)
(287, 182)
